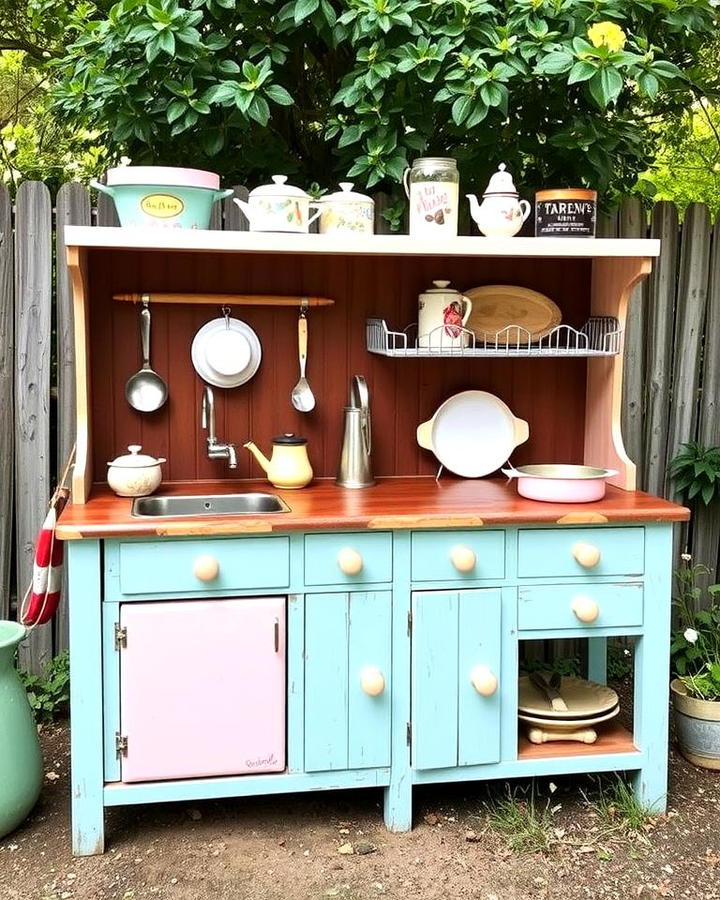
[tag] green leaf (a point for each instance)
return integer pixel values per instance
(461, 109)
(167, 41)
(605, 86)
(555, 63)
(228, 67)
(175, 110)
(665, 69)
(278, 94)
(225, 92)
(581, 71)
(259, 110)
(304, 8)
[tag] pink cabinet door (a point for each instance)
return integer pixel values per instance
(202, 688)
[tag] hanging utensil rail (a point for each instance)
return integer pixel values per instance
(228, 299)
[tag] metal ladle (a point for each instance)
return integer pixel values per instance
(145, 390)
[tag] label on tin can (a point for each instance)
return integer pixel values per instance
(565, 218)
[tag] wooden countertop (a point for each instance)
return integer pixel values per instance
(392, 503)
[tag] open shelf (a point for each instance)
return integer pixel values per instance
(612, 738)
(600, 336)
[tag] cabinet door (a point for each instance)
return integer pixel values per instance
(455, 634)
(202, 688)
(347, 649)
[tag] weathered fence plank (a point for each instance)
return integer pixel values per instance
(706, 523)
(72, 207)
(659, 339)
(632, 223)
(106, 215)
(689, 321)
(234, 220)
(7, 368)
(33, 305)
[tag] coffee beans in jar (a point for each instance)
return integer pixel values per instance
(565, 212)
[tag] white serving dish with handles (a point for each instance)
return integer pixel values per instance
(473, 433)
(442, 315)
(501, 213)
(278, 207)
(347, 212)
(561, 483)
(135, 474)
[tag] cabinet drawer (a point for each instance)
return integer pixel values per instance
(348, 558)
(577, 551)
(551, 606)
(164, 567)
(452, 555)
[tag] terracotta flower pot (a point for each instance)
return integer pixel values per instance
(21, 768)
(697, 727)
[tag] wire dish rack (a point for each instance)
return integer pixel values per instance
(600, 336)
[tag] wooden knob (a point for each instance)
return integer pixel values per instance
(463, 558)
(585, 608)
(372, 681)
(349, 561)
(586, 555)
(483, 680)
(206, 568)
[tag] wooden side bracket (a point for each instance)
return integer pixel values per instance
(82, 471)
(612, 283)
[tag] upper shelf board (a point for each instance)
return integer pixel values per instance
(354, 245)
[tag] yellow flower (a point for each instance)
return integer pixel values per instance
(608, 34)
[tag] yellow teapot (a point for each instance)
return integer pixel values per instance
(289, 466)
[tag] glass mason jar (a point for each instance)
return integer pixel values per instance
(432, 186)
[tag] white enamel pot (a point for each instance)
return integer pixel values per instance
(472, 433)
(561, 483)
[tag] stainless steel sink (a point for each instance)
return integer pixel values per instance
(258, 504)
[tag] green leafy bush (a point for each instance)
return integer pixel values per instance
(696, 471)
(695, 646)
(563, 91)
(49, 693)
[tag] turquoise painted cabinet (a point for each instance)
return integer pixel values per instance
(401, 671)
(455, 636)
(347, 637)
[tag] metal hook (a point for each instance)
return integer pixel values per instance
(225, 310)
(304, 305)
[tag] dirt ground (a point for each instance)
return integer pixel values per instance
(298, 847)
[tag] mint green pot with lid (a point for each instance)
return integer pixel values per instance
(21, 766)
(163, 196)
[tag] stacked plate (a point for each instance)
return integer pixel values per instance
(226, 352)
(567, 710)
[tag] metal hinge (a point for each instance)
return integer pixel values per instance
(121, 744)
(409, 734)
(120, 636)
(409, 623)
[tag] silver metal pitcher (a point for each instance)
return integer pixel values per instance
(355, 470)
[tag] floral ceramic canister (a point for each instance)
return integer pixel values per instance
(347, 211)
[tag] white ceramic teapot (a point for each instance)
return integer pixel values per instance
(501, 213)
(442, 314)
(278, 207)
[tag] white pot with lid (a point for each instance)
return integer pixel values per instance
(347, 211)
(501, 213)
(135, 474)
(278, 207)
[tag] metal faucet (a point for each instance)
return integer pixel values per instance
(215, 449)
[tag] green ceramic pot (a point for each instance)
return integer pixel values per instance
(21, 766)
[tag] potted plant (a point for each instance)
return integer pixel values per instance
(695, 656)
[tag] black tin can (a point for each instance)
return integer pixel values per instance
(565, 212)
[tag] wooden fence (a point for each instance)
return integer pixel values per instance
(672, 371)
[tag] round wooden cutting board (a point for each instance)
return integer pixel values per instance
(496, 306)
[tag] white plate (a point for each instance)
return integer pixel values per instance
(568, 725)
(222, 352)
(473, 433)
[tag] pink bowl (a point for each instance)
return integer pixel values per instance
(561, 483)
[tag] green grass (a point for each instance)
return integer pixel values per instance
(617, 807)
(523, 819)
